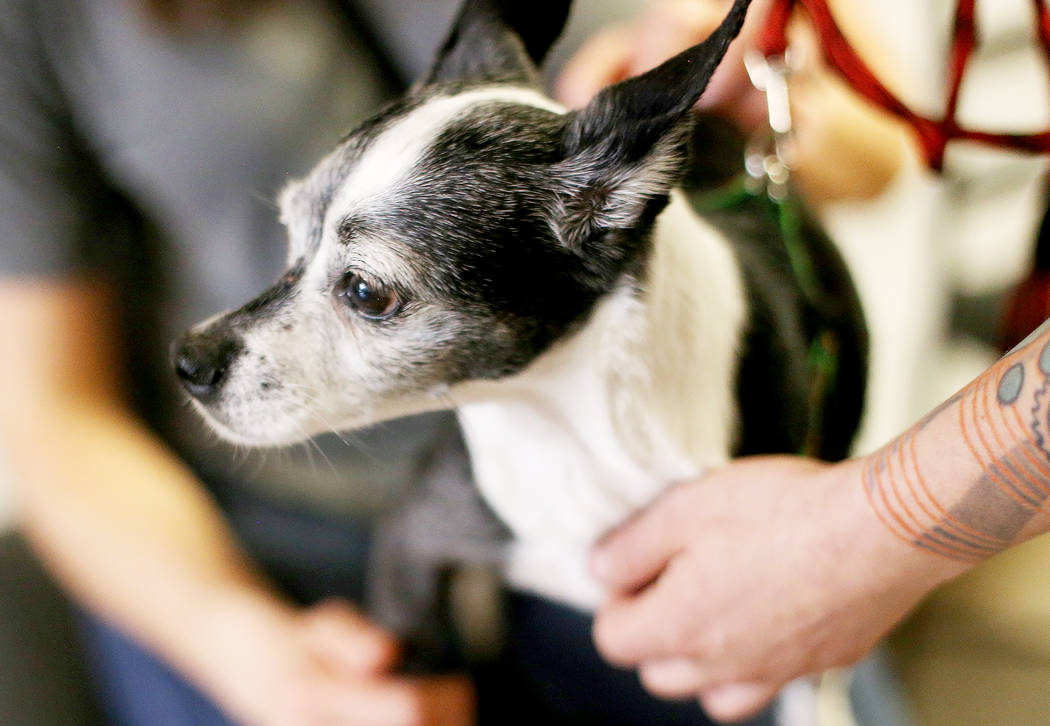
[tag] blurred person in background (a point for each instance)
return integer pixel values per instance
(140, 144)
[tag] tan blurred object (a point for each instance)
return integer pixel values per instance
(847, 148)
(978, 652)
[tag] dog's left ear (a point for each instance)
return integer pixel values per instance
(499, 39)
(625, 148)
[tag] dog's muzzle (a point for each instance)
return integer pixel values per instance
(202, 360)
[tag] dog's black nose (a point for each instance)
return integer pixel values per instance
(201, 362)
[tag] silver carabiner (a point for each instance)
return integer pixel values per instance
(770, 158)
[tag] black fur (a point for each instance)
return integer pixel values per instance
(774, 379)
(638, 111)
(478, 209)
(499, 40)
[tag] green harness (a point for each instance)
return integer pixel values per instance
(785, 211)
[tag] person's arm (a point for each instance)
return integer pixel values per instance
(844, 147)
(132, 534)
(777, 567)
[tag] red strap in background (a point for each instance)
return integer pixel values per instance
(934, 134)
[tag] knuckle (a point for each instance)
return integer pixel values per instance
(679, 510)
(675, 633)
(677, 496)
(711, 643)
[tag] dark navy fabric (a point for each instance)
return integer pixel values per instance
(552, 649)
(136, 689)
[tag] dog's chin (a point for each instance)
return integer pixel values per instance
(275, 431)
(262, 425)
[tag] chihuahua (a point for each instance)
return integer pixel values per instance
(477, 246)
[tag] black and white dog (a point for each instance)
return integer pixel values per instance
(476, 246)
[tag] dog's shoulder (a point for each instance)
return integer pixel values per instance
(801, 379)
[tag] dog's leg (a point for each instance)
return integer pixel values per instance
(440, 537)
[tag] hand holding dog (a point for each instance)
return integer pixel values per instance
(730, 586)
(777, 567)
(329, 665)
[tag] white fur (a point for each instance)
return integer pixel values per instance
(629, 189)
(642, 396)
(394, 154)
(387, 161)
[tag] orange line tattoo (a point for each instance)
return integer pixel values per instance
(1000, 437)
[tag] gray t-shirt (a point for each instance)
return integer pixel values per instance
(152, 157)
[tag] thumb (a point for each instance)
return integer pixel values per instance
(348, 641)
(633, 554)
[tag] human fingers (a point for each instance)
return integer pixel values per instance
(389, 701)
(662, 621)
(347, 641)
(634, 553)
(601, 61)
(732, 702)
(673, 678)
(681, 678)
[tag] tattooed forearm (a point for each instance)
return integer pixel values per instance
(966, 480)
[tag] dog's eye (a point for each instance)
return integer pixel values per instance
(369, 300)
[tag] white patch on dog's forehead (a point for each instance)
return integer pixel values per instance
(391, 157)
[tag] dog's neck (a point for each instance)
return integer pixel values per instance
(638, 398)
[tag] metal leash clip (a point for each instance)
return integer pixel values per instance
(770, 156)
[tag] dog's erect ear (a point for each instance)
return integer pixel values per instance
(625, 147)
(505, 39)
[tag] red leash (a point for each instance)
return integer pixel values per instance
(933, 134)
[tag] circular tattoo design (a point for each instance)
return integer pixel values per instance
(1044, 360)
(1010, 384)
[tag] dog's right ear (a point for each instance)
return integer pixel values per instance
(499, 39)
(625, 148)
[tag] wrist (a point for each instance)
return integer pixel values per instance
(243, 642)
(902, 559)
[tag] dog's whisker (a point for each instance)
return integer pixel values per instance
(266, 199)
(311, 443)
(310, 405)
(305, 447)
(446, 398)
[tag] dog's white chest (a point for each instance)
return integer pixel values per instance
(639, 398)
(556, 491)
